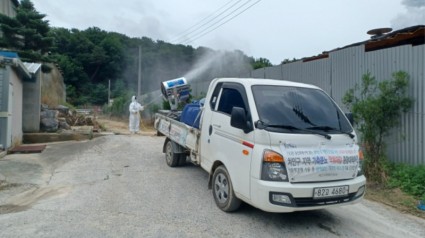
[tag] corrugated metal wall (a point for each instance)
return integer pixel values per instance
(347, 70)
(345, 67)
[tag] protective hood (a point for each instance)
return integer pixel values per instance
(133, 99)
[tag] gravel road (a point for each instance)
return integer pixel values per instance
(120, 186)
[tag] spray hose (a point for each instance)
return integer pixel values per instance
(153, 100)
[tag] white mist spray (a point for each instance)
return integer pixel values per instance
(215, 64)
(211, 64)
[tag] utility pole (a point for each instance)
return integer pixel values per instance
(139, 74)
(109, 92)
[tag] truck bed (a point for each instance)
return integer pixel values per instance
(184, 135)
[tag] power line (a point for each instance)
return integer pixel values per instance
(180, 35)
(205, 25)
(201, 34)
(213, 22)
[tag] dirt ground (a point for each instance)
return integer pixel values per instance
(391, 197)
(394, 198)
(120, 126)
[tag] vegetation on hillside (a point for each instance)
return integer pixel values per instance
(90, 59)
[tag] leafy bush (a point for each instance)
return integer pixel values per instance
(165, 105)
(410, 179)
(119, 107)
(153, 108)
(377, 108)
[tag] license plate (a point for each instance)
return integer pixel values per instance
(328, 192)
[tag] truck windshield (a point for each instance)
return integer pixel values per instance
(298, 110)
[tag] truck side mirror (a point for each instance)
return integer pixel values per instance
(350, 117)
(238, 119)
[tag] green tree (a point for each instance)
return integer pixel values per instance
(286, 61)
(88, 59)
(377, 108)
(261, 63)
(27, 33)
(118, 88)
(120, 106)
(10, 37)
(76, 79)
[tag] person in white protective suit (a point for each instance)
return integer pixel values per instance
(134, 120)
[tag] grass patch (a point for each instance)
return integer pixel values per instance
(394, 197)
(410, 179)
(404, 189)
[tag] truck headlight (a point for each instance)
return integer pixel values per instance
(361, 159)
(273, 168)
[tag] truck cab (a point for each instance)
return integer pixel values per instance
(280, 146)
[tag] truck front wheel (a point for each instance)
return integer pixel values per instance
(222, 190)
(171, 158)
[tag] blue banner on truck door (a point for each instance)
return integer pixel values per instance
(321, 163)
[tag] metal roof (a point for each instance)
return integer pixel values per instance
(32, 67)
(414, 35)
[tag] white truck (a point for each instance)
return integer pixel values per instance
(277, 145)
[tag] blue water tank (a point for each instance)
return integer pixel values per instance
(191, 114)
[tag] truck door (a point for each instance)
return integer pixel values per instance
(229, 144)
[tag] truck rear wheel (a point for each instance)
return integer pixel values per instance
(171, 158)
(182, 159)
(223, 193)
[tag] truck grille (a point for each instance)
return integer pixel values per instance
(310, 202)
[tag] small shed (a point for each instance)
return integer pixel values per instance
(13, 73)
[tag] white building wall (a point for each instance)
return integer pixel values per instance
(17, 108)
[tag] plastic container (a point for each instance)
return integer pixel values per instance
(191, 114)
(421, 205)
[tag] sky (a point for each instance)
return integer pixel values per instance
(271, 29)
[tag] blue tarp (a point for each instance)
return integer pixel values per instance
(9, 54)
(421, 205)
